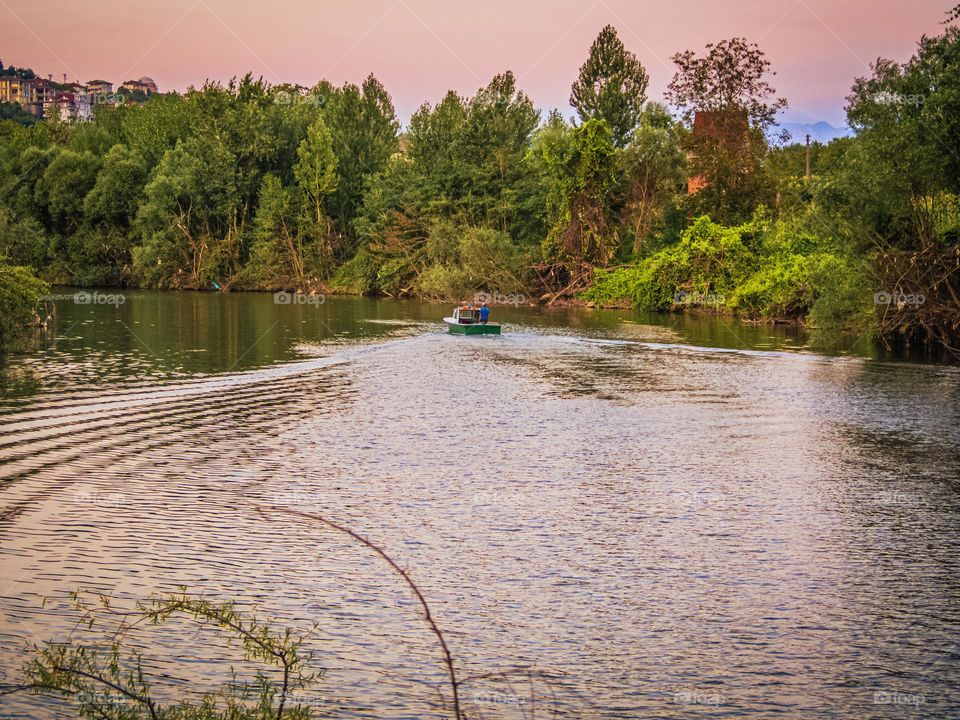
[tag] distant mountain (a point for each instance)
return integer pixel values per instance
(821, 131)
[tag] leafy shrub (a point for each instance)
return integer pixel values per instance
(395, 276)
(709, 259)
(493, 260)
(24, 242)
(358, 275)
(20, 292)
(758, 270)
(109, 680)
(779, 289)
(445, 282)
(443, 242)
(843, 295)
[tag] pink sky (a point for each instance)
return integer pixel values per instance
(421, 48)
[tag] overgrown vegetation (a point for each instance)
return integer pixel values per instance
(20, 295)
(762, 268)
(253, 186)
(108, 680)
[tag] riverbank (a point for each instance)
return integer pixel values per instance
(546, 301)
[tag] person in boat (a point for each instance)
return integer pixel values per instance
(484, 314)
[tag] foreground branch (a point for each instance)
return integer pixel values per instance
(448, 658)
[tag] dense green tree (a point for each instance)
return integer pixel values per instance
(895, 196)
(64, 186)
(189, 220)
(465, 162)
(89, 137)
(14, 71)
(433, 136)
(729, 78)
(277, 256)
(149, 130)
(466, 259)
(24, 242)
(118, 190)
(21, 193)
(316, 168)
(470, 156)
(612, 86)
(363, 124)
(14, 140)
(906, 118)
(491, 147)
(293, 244)
(654, 168)
(730, 171)
(728, 86)
(549, 143)
(101, 252)
(586, 172)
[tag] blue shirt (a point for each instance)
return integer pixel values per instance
(484, 313)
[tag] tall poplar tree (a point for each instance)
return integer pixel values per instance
(316, 168)
(612, 86)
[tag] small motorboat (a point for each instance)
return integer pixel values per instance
(466, 321)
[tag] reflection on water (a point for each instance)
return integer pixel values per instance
(651, 517)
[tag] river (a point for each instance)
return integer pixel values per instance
(611, 514)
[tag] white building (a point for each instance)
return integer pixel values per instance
(82, 101)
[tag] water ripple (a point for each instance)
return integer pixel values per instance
(605, 528)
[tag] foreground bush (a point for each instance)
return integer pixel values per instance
(109, 681)
(20, 294)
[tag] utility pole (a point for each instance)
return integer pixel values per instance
(808, 156)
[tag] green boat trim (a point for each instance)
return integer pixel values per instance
(455, 328)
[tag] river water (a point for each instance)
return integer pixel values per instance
(612, 515)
